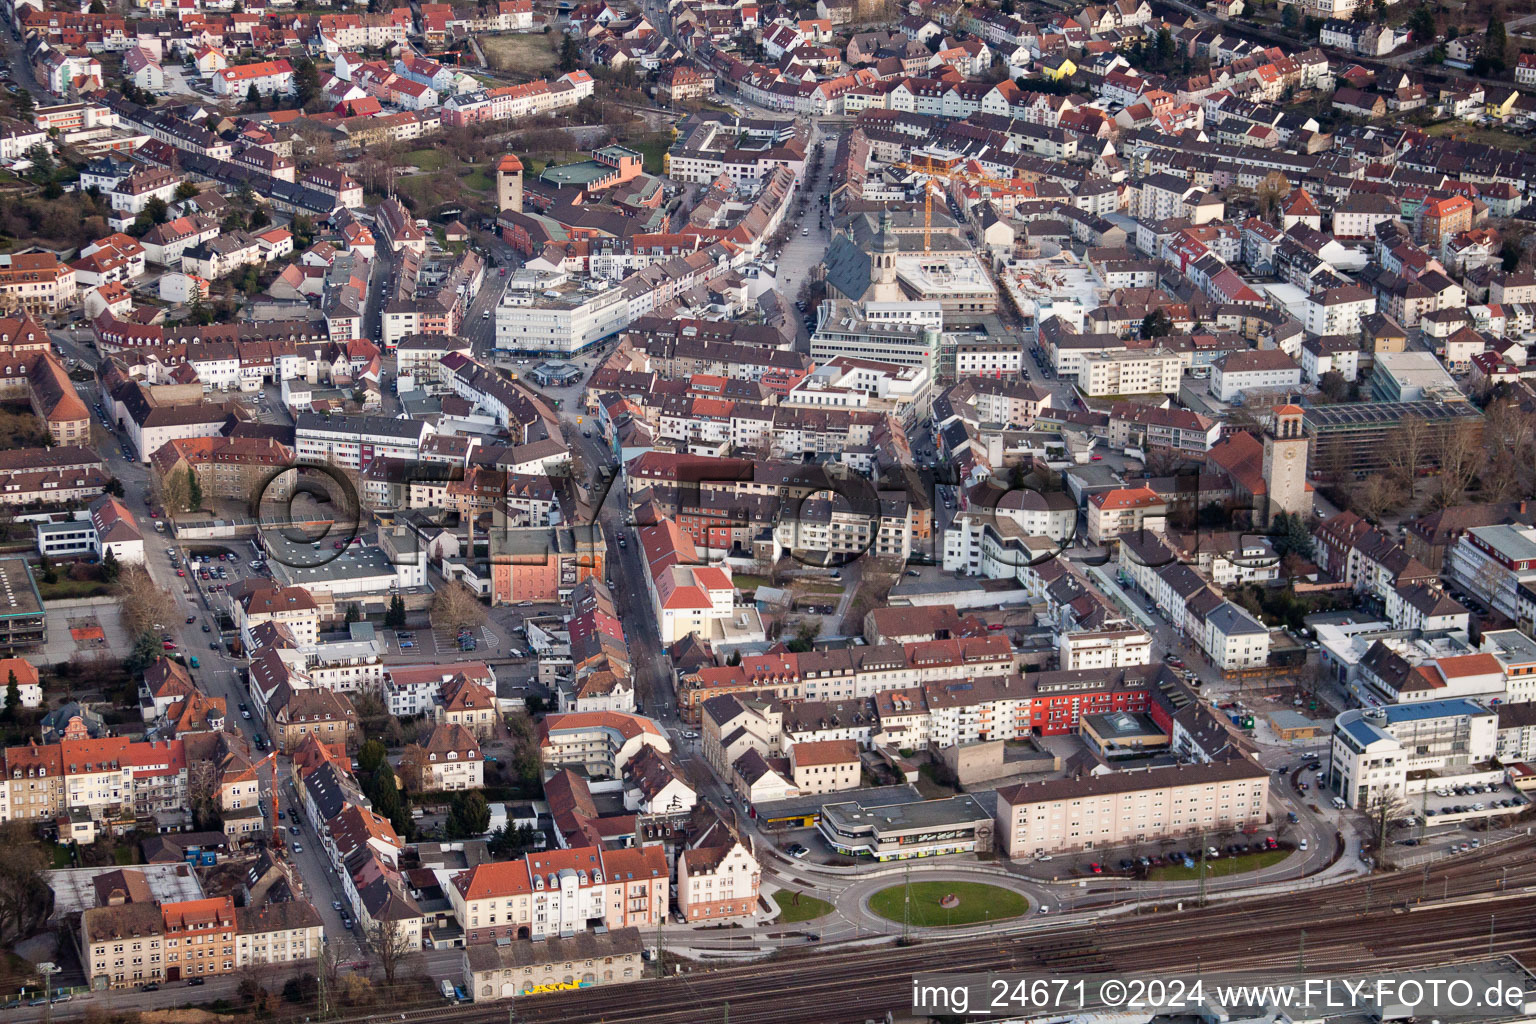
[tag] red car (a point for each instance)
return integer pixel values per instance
(181, 572)
(1097, 869)
(169, 645)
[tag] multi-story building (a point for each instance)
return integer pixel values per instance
(1240, 372)
(448, 759)
(1103, 648)
(602, 742)
(1497, 565)
(825, 766)
(268, 78)
(1397, 751)
(39, 282)
(562, 892)
(1126, 807)
(1134, 372)
(1123, 510)
(717, 877)
(353, 442)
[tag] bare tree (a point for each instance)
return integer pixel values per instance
(455, 606)
(24, 895)
(145, 604)
(1462, 457)
(390, 945)
(1509, 436)
(1407, 450)
(1385, 807)
(1378, 495)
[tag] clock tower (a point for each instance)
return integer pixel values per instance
(1285, 464)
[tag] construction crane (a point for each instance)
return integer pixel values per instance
(942, 170)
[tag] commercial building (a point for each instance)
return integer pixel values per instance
(1125, 807)
(1397, 751)
(927, 828)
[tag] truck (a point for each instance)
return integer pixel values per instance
(446, 988)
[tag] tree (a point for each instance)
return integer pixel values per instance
(1334, 386)
(194, 491)
(468, 815)
(394, 617)
(1384, 808)
(1496, 44)
(252, 96)
(1422, 24)
(113, 487)
(146, 651)
(371, 755)
(146, 605)
(186, 190)
(1377, 496)
(570, 53)
(156, 210)
(507, 844)
(110, 569)
(390, 945)
(1291, 535)
(1510, 253)
(25, 898)
(1462, 457)
(1156, 324)
(455, 606)
(1288, 17)
(354, 613)
(1407, 450)
(306, 82)
(12, 695)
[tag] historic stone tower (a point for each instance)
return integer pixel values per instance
(509, 183)
(1285, 464)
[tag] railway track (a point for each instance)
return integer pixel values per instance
(1405, 919)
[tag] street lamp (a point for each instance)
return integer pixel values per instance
(48, 969)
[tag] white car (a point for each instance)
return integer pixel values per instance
(1302, 846)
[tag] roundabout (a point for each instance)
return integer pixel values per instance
(940, 904)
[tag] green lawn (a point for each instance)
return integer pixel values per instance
(653, 150)
(820, 588)
(61, 858)
(427, 159)
(978, 902)
(795, 907)
(1220, 866)
(746, 581)
(479, 181)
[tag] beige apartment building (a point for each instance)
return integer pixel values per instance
(825, 766)
(1069, 815)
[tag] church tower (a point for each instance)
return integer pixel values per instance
(883, 250)
(1285, 464)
